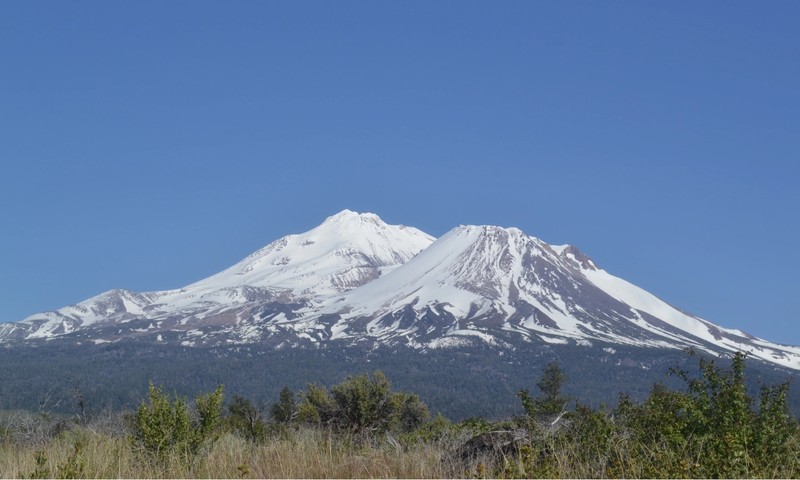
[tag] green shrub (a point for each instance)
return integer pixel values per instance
(246, 420)
(720, 414)
(774, 429)
(316, 406)
(712, 429)
(161, 425)
(408, 411)
(164, 425)
(362, 405)
(209, 410)
(436, 430)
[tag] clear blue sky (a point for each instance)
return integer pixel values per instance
(146, 145)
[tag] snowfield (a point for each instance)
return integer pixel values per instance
(355, 278)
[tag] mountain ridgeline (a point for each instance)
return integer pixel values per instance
(458, 319)
(357, 280)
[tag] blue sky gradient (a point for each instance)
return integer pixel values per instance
(146, 145)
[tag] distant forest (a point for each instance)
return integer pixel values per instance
(458, 383)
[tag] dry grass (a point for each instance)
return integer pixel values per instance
(305, 453)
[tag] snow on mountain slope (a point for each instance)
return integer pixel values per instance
(483, 281)
(471, 276)
(347, 250)
(730, 339)
(356, 279)
(427, 279)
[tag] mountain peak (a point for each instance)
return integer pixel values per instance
(347, 250)
(351, 216)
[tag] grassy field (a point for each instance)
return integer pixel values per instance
(104, 450)
(305, 452)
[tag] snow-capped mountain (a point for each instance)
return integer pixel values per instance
(347, 250)
(357, 280)
(499, 285)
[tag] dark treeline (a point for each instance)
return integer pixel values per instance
(458, 383)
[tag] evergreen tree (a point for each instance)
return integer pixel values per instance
(552, 402)
(285, 409)
(550, 385)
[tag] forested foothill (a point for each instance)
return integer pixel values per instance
(702, 421)
(477, 381)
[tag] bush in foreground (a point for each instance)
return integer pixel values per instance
(163, 425)
(362, 405)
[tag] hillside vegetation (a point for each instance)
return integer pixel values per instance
(361, 427)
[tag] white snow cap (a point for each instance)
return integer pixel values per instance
(346, 250)
(346, 215)
(355, 276)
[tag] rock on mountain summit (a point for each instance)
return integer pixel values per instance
(357, 280)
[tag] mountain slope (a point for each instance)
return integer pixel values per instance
(347, 250)
(483, 282)
(354, 279)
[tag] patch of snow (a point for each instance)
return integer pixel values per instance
(489, 339)
(554, 340)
